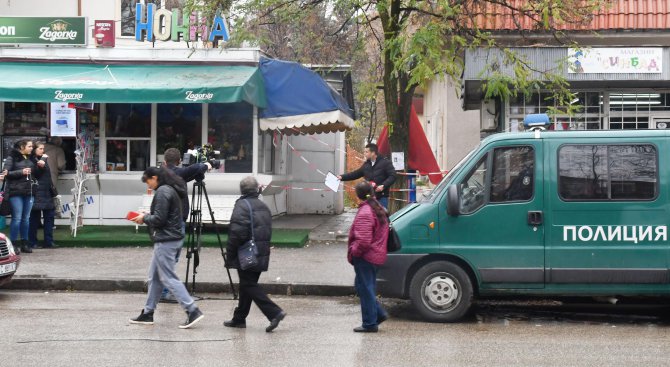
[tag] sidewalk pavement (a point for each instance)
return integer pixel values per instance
(319, 268)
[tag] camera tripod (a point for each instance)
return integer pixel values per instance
(194, 229)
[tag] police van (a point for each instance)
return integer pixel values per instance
(538, 213)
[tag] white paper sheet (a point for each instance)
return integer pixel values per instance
(332, 182)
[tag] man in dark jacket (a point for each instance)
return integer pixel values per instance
(377, 170)
(196, 171)
(172, 160)
(239, 232)
(165, 230)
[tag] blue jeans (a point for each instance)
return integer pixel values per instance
(384, 201)
(165, 292)
(366, 287)
(162, 274)
(21, 206)
(49, 218)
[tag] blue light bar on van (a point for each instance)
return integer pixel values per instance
(536, 120)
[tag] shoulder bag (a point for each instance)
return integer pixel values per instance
(247, 254)
(393, 242)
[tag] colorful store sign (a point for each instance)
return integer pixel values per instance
(43, 31)
(163, 25)
(631, 60)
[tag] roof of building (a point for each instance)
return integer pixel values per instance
(621, 15)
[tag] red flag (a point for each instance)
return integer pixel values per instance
(421, 157)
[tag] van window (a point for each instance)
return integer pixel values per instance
(473, 188)
(607, 172)
(512, 174)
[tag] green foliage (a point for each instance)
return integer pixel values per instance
(405, 44)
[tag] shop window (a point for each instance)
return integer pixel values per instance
(25, 118)
(607, 172)
(179, 125)
(128, 130)
(266, 159)
(512, 174)
(588, 114)
(633, 110)
(230, 131)
(128, 12)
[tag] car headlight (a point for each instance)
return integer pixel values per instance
(10, 247)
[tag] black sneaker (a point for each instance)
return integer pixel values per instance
(192, 319)
(144, 318)
(275, 322)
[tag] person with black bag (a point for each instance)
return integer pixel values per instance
(367, 249)
(43, 203)
(249, 234)
(20, 188)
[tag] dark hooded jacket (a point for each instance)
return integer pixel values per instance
(17, 184)
(239, 231)
(165, 219)
(44, 190)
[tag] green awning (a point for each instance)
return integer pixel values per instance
(54, 82)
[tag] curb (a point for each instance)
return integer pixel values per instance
(115, 285)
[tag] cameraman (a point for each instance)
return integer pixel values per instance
(196, 171)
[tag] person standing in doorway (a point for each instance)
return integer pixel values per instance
(165, 230)
(21, 187)
(377, 170)
(56, 156)
(43, 203)
(239, 232)
(367, 250)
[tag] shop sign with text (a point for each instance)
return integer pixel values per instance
(630, 60)
(43, 31)
(164, 25)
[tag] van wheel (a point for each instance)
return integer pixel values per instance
(441, 291)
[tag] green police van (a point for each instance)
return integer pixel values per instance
(538, 213)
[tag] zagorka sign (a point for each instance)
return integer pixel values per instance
(66, 97)
(43, 31)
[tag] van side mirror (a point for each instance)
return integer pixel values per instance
(453, 201)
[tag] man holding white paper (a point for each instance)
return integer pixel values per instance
(377, 170)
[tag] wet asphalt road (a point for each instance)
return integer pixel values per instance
(91, 329)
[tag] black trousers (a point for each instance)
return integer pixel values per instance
(250, 292)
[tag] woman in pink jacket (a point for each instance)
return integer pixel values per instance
(367, 249)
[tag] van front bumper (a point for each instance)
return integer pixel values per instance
(392, 275)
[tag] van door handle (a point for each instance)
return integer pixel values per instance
(535, 218)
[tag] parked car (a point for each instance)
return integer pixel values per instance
(558, 213)
(9, 260)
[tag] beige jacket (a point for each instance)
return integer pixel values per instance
(56, 160)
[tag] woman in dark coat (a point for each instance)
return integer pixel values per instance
(43, 201)
(20, 185)
(239, 232)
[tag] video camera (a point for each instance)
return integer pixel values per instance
(203, 154)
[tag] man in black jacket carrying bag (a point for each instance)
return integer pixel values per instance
(377, 170)
(239, 232)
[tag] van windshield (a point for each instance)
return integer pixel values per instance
(429, 198)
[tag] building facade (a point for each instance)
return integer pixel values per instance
(129, 130)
